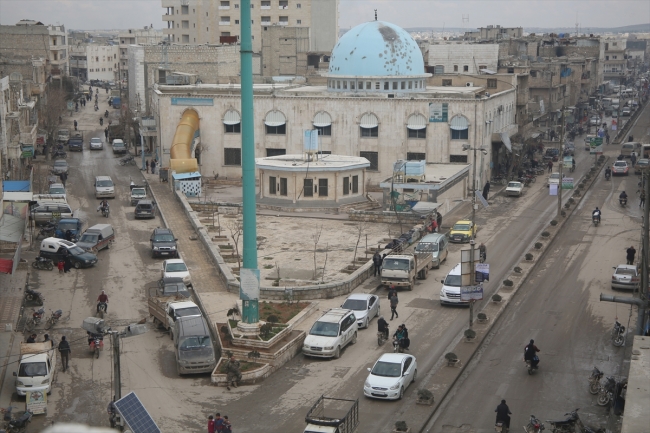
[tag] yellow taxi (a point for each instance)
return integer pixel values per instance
(462, 231)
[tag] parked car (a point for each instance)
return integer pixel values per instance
(437, 244)
(390, 376)
(552, 153)
(96, 143)
(60, 166)
(73, 225)
(56, 249)
(515, 189)
(365, 307)
(462, 231)
(145, 209)
(625, 277)
(641, 164)
(163, 243)
(119, 146)
(594, 121)
(569, 149)
(620, 168)
(626, 111)
(176, 268)
(46, 212)
(331, 333)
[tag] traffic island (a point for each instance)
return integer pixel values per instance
(251, 372)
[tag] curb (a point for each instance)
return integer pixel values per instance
(483, 333)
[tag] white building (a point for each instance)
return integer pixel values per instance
(375, 105)
(102, 61)
(615, 64)
(463, 58)
(207, 22)
(146, 36)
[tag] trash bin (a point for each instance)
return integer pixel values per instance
(164, 174)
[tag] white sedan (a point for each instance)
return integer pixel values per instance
(515, 189)
(96, 143)
(365, 307)
(625, 277)
(390, 376)
(176, 268)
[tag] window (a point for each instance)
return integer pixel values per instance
(276, 130)
(346, 185)
(237, 6)
(231, 156)
(370, 132)
(439, 69)
(276, 123)
(414, 156)
(185, 39)
(369, 125)
(416, 126)
(298, 6)
(185, 24)
(355, 184)
(511, 70)
(466, 68)
(276, 152)
(446, 83)
(455, 68)
(224, 21)
(308, 187)
(417, 133)
(283, 186)
(459, 134)
(458, 158)
(459, 128)
(533, 74)
(492, 83)
(265, 4)
(224, 5)
(299, 22)
(236, 21)
(272, 185)
(233, 129)
(322, 187)
(324, 131)
(185, 10)
(373, 158)
(266, 21)
(284, 4)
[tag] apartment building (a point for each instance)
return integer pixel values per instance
(217, 21)
(146, 36)
(615, 64)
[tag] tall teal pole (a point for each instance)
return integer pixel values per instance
(249, 288)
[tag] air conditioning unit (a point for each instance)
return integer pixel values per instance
(469, 84)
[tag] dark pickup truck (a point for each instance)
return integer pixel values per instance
(76, 142)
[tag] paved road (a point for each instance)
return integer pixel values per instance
(559, 307)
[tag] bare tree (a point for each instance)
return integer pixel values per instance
(51, 108)
(316, 237)
(326, 251)
(361, 227)
(235, 227)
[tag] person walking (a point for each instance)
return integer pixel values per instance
(486, 190)
(376, 261)
(642, 198)
(153, 166)
(393, 306)
(227, 427)
(550, 166)
(218, 423)
(438, 220)
(64, 350)
(75, 125)
(146, 164)
(64, 178)
(67, 264)
(631, 252)
(106, 132)
(211, 426)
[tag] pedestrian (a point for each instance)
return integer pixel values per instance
(642, 197)
(438, 219)
(234, 372)
(227, 427)
(31, 339)
(211, 426)
(60, 266)
(106, 133)
(376, 261)
(633, 159)
(393, 306)
(147, 165)
(550, 166)
(75, 125)
(482, 251)
(67, 265)
(631, 252)
(64, 350)
(486, 190)
(392, 291)
(64, 178)
(218, 423)
(153, 166)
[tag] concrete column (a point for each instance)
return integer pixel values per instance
(295, 188)
(336, 187)
(261, 183)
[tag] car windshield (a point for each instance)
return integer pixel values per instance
(175, 289)
(189, 311)
(163, 238)
(395, 264)
(60, 164)
(175, 267)
(31, 369)
(642, 162)
(67, 225)
(355, 304)
(118, 144)
(138, 191)
(75, 251)
(325, 329)
(88, 238)
(144, 206)
(452, 280)
(386, 369)
(461, 227)
(62, 190)
(427, 247)
(625, 271)
(620, 164)
(104, 183)
(95, 140)
(513, 185)
(193, 343)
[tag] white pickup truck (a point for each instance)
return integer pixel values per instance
(401, 270)
(37, 367)
(166, 310)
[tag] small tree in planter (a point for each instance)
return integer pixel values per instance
(401, 426)
(538, 245)
(508, 283)
(496, 298)
(529, 256)
(470, 335)
(452, 359)
(567, 205)
(424, 397)
(553, 222)
(563, 213)
(576, 193)
(545, 234)
(482, 318)
(517, 269)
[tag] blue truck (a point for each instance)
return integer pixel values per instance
(117, 102)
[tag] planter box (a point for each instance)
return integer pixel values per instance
(454, 363)
(425, 402)
(247, 377)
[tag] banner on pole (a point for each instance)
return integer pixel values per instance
(469, 293)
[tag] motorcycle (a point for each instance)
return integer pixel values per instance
(595, 219)
(96, 343)
(53, 319)
(529, 366)
(42, 263)
(96, 107)
(382, 337)
(19, 425)
(568, 425)
(623, 201)
(610, 390)
(499, 427)
(618, 334)
(34, 296)
(594, 381)
(534, 425)
(106, 114)
(101, 309)
(37, 317)
(106, 210)
(607, 175)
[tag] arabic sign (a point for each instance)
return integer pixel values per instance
(567, 183)
(249, 288)
(438, 112)
(36, 402)
(469, 293)
(482, 272)
(596, 146)
(568, 161)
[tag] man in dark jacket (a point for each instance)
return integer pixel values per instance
(631, 252)
(382, 326)
(64, 350)
(486, 190)
(376, 261)
(503, 414)
(530, 354)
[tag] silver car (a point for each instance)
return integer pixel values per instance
(96, 143)
(625, 277)
(365, 307)
(60, 166)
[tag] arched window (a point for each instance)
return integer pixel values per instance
(323, 123)
(416, 126)
(276, 123)
(369, 125)
(232, 122)
(459, 128)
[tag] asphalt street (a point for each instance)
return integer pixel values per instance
(559, 308)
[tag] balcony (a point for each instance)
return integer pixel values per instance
(224, 23)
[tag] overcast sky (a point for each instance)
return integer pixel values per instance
(123, 14)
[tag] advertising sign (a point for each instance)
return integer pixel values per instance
(36, 402)
(568, 161)
(596, 146)
(482, 272)
(469, 293)
(567, 183)
(438, 112)
(249, 288)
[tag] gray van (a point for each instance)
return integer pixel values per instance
(437, 244)
(194, 349)
(629, 147)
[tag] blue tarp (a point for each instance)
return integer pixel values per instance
(15, 186)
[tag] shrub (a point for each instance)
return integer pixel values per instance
(563, 213)
(401, 426)
(424, 394)
(254, 355)
(496, 297)
(529, 256)
(272, 318)
(571, 200)
(517, 269)
(567, 205)
(265, 330)
(470, 333)
(450, 356)
(576, 193)
(545, 234)
(481, 316)
(538, 245)
(508, 283)
(553, 222)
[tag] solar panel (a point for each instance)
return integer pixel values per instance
(135, 415)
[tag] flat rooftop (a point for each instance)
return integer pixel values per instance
(434, 175)
(296, 162)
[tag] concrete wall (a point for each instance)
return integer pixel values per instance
(137, 82)
(284, 51)
(19, 44)
(295, 180)
(324, 25)
(460, 55)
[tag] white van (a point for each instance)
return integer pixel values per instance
(104, 187)
(437, 244)
(629, 147)
(450, 292)
(331, 333)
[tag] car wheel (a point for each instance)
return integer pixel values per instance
(415, 374)
(337, 353)
(401, 393)
(171, 334)
(365, 325)
(354, 338)
(77, 265)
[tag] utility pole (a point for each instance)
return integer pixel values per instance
(117, 381)
(561, 159)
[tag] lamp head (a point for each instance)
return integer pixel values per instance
(466, 147)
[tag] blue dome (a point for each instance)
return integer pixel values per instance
(376, 48)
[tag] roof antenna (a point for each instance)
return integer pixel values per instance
(375, 14)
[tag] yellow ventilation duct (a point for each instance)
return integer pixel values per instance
(181, 150)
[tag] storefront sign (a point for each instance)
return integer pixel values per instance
(567, 183)
(438, 112)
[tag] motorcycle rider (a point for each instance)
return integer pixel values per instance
(530, 354)
(503, 414)
(103, 205)
(102, 299)
(622, 197)
(382, 326)
(596, 214)
(101, 121)
(402, 337)
(608, 172)
(573, 164)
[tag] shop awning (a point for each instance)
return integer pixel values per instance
(416, 122)
(322, 119)
(369, 120)
(506, 141)
(232, 117)
(275, 118)
(459, 123)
